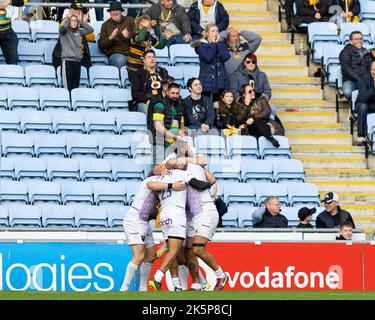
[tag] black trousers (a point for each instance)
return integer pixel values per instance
(9, 46)
(259, 128)
(70, 74)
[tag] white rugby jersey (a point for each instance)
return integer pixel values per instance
(145, 199)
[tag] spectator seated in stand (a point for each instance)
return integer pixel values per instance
(305, 216)
(269, 216)
(308, 11)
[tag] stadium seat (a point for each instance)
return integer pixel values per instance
(285, 170)
(12, 75)
(177, 73)
(30, 168)
(303, 194)
(22, 29)
(226, 169)
(46, 191)
(162, 57)
(23, 98)
(54, 98)
(3, 99)
(256, 170)
(90, 216)
(116, 99)
(371, 126)
(86, 98)
(184, 93)
(267, 150)
(44, 30)
(7, 169)
(104, 76)
(131, 121)
(109, 193)
(98, 57)
(114, 146)
(100, 122)
(48, 47)
(36, 121)
(182, 54)
(76, 192)
(190, 71)
(116, 215)
(67, 121)
(30, 53)
(211, 145)
(348, 27)
(131, 189)
(50, 145)
(291, 213)
(242, 146)
(97, 29)
(95, 169)
(239, 193)
(140, 145)
(127, 169)
(14, 144)
(44, 75)
(264, 190)
(319, 34)
(353, 102)
(230, 219)
(24, 216)
(245, 219)
(13, 191)
(331, 62)
(62, 169)
(4, 216)
(82, 145)
(10, 121)
(367, 12)
(57, 216)
(125, 82)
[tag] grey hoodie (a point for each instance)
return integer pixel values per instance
(71, 40)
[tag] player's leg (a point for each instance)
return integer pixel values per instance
(138, 256)
(192, 263)
(148, 262)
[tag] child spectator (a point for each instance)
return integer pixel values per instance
(346, 231)
(305, 216)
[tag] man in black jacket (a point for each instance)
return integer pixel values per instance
(333, 215)
(271, 216)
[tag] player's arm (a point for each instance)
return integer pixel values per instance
(210, 177)
(160, 186)
(199, 184)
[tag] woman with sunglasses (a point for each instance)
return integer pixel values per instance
(249, 70)
(256, 112)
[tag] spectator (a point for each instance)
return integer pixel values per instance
(346, 231)
(204, 12)
(305, 216)
(115, 35)
(269, 216)
(333, 215)
(365, 102)
(146, 82)
(352, 67)
(239, 43)
(289, 12)
(8, 38)
(348, 14)
(133, 12)
(142, 41)
(71, 33)
(199, 113)
(168, 15)
(308, 11)
(256, 114)
(226, 115)
(212, 56)
(249, 70)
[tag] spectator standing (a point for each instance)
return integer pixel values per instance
(71, 33)
(305, 216)
(199, 113)
(269, 216)
(204, 12)
(115, 35)
(333, 215)
(168, 15)
(239, 44)
(308, 11)
(352, 66)
(365, 102)
(212, 56)
(8, 38)
(346, 231)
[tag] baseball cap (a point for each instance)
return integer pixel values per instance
(76, 6)
(304, 212)
(330, 196)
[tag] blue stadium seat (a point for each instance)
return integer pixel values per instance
(12, 75)
(190, 71)
(46, 191)
(211, 145)
(125, 82)
(319, 34)
(245, 219)
(82, 145)
(30, 53)
(48, 47)
(57, 216)
(140, 145)
(14, 144)
(23, 98)
(264, 190)
(127, 169)
(104, 76)
(285, 170)
(3, 99)
(109, 193)
(4, 216)
(13, 191)
(331, 62)
(182, 54)
(54, 98)
(162, 56)
(254, 170)
(230, 219)
(303, 194)
(100, 122)
(348, 27)
(44, 30)
(10, 121)
(131, 121)
(239, 193)
(114, 146)
(67, 121)
(37, 75)
(291, 213)
(116, 99)
(131, 190)
(95, 169)
(7, 169)
(24, 216)
(116, 215)
(62, 169)
(36, 121)
(184, 93)
(30, 168)
(90, 216)
(242, 146)
(22, 29)
(97, 29)
(86, 98)
(371, 126)
(177, 73)
(98, 57)
(267, 150)
(354, 99)
(50, 145)
(226, 169)
(76, 192)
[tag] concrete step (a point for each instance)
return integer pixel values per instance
(345, 186)
(238, 5)
(275, 37)
(252, 16)
(296, 81)
(319, 139)
(300, 92)
(328, 162)
(275, 49)
(259, 26)
(291, 60)
(328, 150)
(317, 173)
(301, 105)
(311, 127)
(324, 117)
(285, 71)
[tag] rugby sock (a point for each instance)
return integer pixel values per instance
(202, 279)
(219, 273)
(144, 270)
(159, 275)
(130, 271)
(176, 282)
(183, 274)
(196, 286)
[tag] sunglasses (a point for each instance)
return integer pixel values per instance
(249, 61)
(250, 91)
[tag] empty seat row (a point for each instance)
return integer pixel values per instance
(52, 216)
